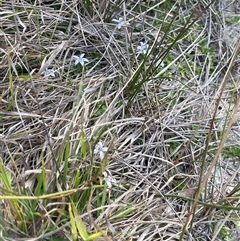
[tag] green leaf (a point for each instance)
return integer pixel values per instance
(79, 224)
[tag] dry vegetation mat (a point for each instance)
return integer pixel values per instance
(119, 120)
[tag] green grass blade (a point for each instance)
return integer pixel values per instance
(73, 224)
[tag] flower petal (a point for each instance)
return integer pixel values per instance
(77, 61)
(105, 174)
(100, 144)
(109, 184)
(75, 56)
(101, 153)
(113, 180)
(85, 60)
(104, 149)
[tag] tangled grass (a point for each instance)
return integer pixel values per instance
(153, 105)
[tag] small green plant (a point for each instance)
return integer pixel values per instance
(224, 233)
(232, 151)
(173, 147)
(232, 20)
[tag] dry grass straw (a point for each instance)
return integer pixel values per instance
(156, 147)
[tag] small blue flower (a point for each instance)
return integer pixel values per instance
(49, 72)
(100, 149)
(109, 180)
(142, 48)
(80, 59)
(120, 22)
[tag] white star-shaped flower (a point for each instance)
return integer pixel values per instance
(120, 22)
(109, 180)
(142, 48)
(49, 72)
(100, 149)
(80, 59)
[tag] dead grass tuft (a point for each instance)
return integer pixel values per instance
(157, 147)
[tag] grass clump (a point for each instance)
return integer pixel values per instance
(118, 122)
